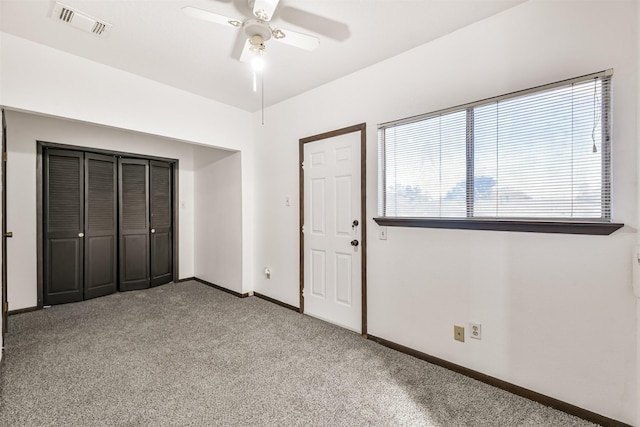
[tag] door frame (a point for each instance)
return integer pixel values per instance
(362, 128)
(40, 146)
(5, 303)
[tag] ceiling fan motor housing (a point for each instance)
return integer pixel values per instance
(256, 27)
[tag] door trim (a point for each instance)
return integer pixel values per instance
(5, 304)
(362, 128)
(40, 146)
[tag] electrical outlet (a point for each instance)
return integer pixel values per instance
(476, 330)
(458, 333)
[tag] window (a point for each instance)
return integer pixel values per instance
(539, 155)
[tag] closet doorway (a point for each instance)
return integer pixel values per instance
(106, 223)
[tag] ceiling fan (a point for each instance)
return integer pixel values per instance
(257, 29)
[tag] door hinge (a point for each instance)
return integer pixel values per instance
(6, 307)
(302, 165)
(302, 292)
(5, 155)
(302, 229)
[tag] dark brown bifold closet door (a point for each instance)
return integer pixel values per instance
(160, 204)
(134, 224)
(63, 226)
(100, 240)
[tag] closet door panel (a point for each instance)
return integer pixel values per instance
(134, 224)
(135, 248)
(100, 224)
(63, 226)
(161, 207)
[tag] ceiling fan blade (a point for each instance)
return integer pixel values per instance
(300, 40)
(239, 46)
(316, 23)
(264, 9)
(205, 15)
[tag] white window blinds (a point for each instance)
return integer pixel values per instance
(543, 153)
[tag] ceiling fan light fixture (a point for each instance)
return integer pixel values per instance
(257, 63)
(256, 40)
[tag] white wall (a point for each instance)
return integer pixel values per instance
(557, 311)
(218, 218)
(36, 78)
(44, 80)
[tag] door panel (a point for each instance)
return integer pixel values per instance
(317, 211)
(317, 273)
(135, 267)
(63, 226)
(343, 202)
(161, 208)
(134, 224)
(100, 220)
(161, 257)
(65, 265)
(344, 268)
(332, 264)
(100, 274)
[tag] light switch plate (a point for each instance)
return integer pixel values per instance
(383, 233)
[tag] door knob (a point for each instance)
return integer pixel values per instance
(153, 230)
(8, 234)
(354, 243)
(80, 234)
(355, 223)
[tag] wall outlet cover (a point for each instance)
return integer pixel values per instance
(475, 330)
(458, 333)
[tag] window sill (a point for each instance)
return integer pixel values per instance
(562, 227)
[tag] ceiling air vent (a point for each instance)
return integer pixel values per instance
(80, 20)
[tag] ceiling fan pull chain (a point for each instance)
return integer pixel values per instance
(255, 81)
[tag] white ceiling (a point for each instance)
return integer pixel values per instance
(154, 39)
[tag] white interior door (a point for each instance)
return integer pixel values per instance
(332, 231)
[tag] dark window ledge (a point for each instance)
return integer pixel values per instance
(562, 227)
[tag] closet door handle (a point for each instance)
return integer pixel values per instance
(80, 234)
(153, 230)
